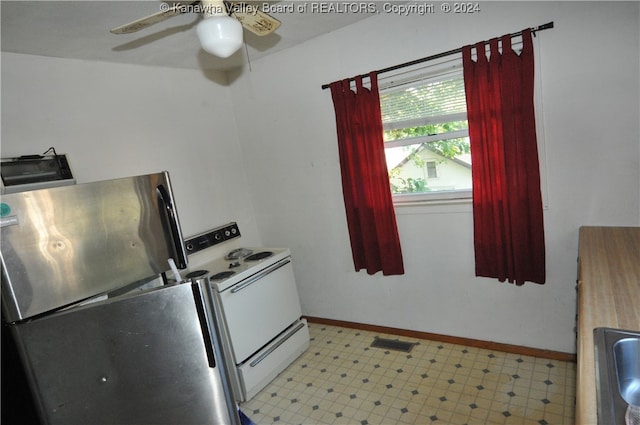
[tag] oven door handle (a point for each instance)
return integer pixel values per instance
(273, 348)
(253, 279)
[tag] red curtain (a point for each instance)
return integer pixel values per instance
(375, 244)
(507, 203)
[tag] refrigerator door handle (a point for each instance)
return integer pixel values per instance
(169, 213)
(204, 324)
(213, 340)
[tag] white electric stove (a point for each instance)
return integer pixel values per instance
(257, 302)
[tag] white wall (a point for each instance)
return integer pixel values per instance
(118, 120)
(589, 66)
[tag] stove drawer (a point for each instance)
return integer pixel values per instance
(265, 365)
(260, 307)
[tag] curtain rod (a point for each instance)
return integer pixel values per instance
(543, 27)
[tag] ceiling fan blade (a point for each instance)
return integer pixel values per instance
(147, 21)
(254, 19)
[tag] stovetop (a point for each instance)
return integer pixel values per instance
(226, 271)
(231, 267)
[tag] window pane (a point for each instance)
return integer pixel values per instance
(426, 131)
(444, 165)
(422, 99)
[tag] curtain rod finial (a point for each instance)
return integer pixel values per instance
(546, 26)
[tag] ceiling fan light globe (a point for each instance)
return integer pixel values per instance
(220, 35)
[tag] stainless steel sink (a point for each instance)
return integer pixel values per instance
(617, 357)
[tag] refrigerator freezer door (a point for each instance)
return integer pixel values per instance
(66, 244)
(139, 359)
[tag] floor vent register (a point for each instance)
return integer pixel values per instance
(393, 344)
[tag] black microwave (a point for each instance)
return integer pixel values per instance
(31, 172)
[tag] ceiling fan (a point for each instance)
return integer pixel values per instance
(220, 32)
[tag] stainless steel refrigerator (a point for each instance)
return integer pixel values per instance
(103, 339)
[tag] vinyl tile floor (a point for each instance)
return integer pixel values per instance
(341, 379)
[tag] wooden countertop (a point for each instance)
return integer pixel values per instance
(608, 296)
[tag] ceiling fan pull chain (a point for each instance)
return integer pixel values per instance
(246, 49)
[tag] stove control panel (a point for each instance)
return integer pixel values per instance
(212, 237)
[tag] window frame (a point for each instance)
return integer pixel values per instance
(447, 196)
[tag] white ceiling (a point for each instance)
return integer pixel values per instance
(80, 30)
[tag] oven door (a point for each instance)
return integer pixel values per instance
(260, 307)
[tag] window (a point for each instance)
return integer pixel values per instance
(432, 171)
(426, 137)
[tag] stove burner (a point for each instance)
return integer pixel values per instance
(222, 275)
(196, 273)
(238, 253)
(259, 256)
